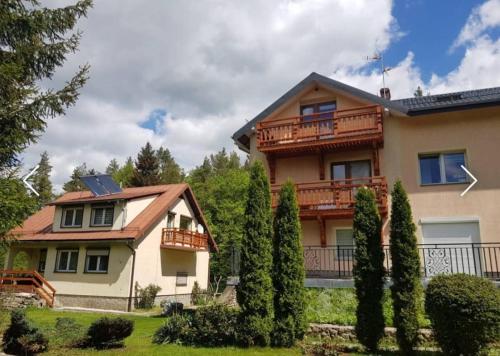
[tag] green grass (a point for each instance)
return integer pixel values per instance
(338, 306)
(139, 343)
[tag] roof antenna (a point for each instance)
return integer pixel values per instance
(379, 57)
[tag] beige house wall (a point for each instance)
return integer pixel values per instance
(135, 206)
(86, 222)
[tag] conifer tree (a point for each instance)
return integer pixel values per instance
(75, 184)
(288, 271)
(368, 269)
(41, 180)
(255, 289)
(405, 272)
(170, 171)
(146, 170)
(112, 167)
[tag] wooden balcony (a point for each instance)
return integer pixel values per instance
(336, 198)
(322, 131)
(17, 281)
(175, 238)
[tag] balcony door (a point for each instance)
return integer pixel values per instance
(350, 170)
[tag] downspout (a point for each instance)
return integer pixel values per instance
(129, 306)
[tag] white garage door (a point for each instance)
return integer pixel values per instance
(448, 248)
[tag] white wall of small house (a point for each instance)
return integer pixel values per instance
(87, 216)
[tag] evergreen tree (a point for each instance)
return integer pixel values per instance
(41, 180)
(170, 171)
(288, 271)
(146, 170)
(125, 174)
(113, 167)
(201, 173)
(418, 92)
(34, 42)
(75, 184)
(405, 272)
(255, 290)
(368, 269)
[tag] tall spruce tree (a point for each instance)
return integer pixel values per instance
(255, 289)
(170, 171)
(147, 168)
(406, 288)
(288, 271)
(112, 167)
(75, 184)
(368, 269)
(41, 180)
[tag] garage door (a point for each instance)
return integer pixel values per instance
(448, 248)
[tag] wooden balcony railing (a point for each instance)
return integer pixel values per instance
(334, 128)
(28, 282)
(335, 195)
(186, 239)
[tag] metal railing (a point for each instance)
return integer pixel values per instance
(337, 261)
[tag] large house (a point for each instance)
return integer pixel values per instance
(331, 139)
(90, 250)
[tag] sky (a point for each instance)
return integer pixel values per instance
(186, 74)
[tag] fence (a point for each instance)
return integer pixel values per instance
(337, 261)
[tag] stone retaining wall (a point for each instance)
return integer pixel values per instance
(20, 300)
(347, 332)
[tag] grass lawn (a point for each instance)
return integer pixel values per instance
(338, 306)
(139, 343)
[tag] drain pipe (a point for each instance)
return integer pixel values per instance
(129, 307)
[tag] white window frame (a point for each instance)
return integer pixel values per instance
(74, 209)
(170, 220)
(99, 253)
(102, 223)
(70, 252)
(190, 226)
(442, 168)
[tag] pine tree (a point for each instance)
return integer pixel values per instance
(288, 271)
(406, 288)
(368, 269)
(75, 184)
(41, 180)
(125, 174)
(170, 171)
(255, 290)
(113, 167)
(146, 170)
(34, 42)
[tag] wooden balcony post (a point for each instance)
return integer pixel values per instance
(321, 162)
(271, 160)
(376, 161)
(322, 231)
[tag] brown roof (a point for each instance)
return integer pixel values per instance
(38, 227)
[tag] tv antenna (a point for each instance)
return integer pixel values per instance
(379, 57)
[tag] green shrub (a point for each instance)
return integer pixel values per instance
(21, 337)
(215, 325)
(68, 333)
(368, 270)
(145, 297)
(109, 332)
(175, 330)
(464, 312)
(198, 295)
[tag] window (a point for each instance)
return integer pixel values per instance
(345, 244)
(102, 215)
(67, 260)
(72, 217)
(181, 279)
(185, 223)
(307, 111)
(170, 220)
(97, 260)
(352, 169)
(442, 168)
(42, 260)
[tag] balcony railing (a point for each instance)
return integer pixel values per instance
(28, 282)
(183, 239)
(335, 195)
(335, 128)
(337, 261)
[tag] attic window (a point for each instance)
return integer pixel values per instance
(72, 217)
(102, 215)
(450, 97)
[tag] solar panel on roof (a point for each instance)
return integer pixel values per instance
(101, 184)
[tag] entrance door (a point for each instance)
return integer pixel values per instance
(343, 172)
(448, 248)
(42, 260)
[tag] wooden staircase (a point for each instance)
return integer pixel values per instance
(27, 282)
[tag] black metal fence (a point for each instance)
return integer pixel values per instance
(337, 261)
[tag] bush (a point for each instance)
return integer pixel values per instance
(170, 308)
(68, 333)
(198, 295)
(21, 337)
(464, 312)
(108, 332)
(175, 330)
(145, 297)
(215, 325)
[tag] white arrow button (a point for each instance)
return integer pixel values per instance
(472, 184)
(25, 180)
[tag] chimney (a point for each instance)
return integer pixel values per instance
(385, 93)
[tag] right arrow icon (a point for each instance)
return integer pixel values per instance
(474, 181)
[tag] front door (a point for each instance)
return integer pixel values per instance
(42, 260)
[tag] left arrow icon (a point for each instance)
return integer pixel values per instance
(25, 180)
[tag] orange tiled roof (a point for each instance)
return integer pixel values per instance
(38, 227)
